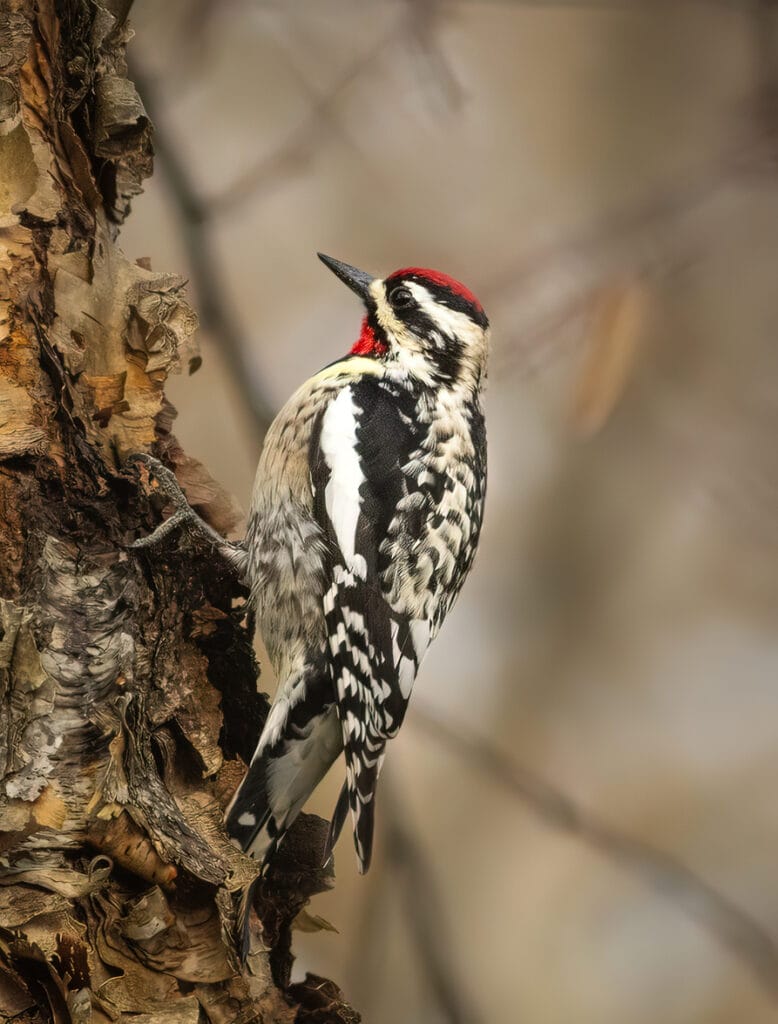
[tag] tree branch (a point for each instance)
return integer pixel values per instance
(193, 214)
(729, 924)
(425, 910)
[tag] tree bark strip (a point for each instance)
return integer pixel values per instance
(128, 698)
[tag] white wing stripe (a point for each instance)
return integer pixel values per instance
(338, 445)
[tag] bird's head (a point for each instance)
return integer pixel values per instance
(422, 321)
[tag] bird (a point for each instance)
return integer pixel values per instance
(364, 520)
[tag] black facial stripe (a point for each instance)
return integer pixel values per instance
(452, 300)
(422, 325)
(375, 326)
(448, 360)
(444, 351)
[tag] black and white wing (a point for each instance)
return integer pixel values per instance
(360, 453)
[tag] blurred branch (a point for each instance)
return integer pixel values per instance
(367, 951)
(425, 909)
(304, 139)
(194, 212)
(733, 928)
(423, 19)
(547, 291)
(295, 154)
(553, 286)
(765, 35)
(320, 122)
(550, 287)
(216, 316)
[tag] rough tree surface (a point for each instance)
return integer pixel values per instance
(128, 693)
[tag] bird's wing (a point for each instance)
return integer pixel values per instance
(362, 443)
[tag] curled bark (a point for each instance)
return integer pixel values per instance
(128, 697)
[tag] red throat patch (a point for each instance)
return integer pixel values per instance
(367, 344)
(436, 277)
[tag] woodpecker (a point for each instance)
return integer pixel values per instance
(364, 520)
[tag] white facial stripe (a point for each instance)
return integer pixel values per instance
(452, 322)
(384, 312)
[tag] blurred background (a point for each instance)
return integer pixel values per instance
(579, 819)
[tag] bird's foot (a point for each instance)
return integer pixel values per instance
(184, 516)
(170, 487)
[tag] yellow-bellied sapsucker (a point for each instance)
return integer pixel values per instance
(364, 521)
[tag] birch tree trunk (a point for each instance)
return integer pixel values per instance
(128, 698)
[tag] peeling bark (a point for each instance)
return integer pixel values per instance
(128, 697)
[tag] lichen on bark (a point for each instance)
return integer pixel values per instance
(128, 698)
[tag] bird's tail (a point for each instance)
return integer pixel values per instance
(361, 780)
(336, 824)
(293, 755)
(254, 819)
(298, 745)
(243, 919)
(249, 819)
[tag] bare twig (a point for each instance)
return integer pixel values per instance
(422, 908)
(765, 38)
(302, 142)
(548, 288)
(417, 29)
(367, 950)
(422, 19)
(733, 927)
(215, 313)
(425, 910)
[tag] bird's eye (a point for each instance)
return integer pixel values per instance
(400, 297)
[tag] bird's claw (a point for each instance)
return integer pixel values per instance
(162, 531)
(168, 484)
(184, 516)
(171, 489)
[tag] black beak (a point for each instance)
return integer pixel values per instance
(357, 280)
